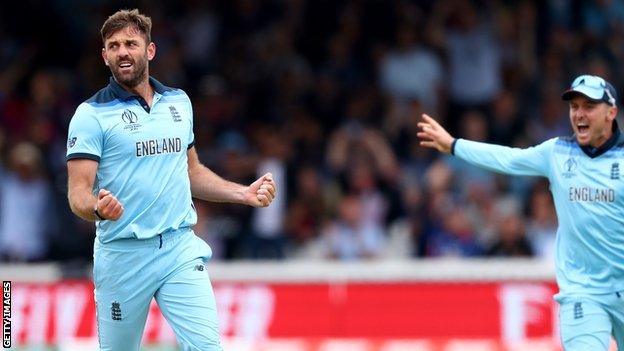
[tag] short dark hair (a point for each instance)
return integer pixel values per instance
(127, 18)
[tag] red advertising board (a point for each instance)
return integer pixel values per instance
(510, 312)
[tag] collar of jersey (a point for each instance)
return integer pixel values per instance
(123, 94)
(616, 139)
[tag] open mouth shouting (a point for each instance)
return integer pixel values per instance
(125, 66)
(582, 129)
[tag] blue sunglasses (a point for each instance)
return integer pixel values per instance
(593, 87)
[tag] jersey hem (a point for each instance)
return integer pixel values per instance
(79, 155)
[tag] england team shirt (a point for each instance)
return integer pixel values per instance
(142, 155)
(588, 190)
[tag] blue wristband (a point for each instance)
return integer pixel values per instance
(453, 147)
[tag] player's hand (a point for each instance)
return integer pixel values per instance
(434, 135)
(261, 192)
(108, 206)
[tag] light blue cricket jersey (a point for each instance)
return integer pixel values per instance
(588, 190)
(142, 155)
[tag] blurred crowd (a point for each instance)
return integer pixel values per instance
(326, 95)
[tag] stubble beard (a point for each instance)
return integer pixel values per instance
(138, 76)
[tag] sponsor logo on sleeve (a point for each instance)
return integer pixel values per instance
(71, 142)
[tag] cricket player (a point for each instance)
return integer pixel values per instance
(588, 190)
(133, 170)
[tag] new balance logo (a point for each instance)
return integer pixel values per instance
(578, 310)
(116, 311)
(199, 267)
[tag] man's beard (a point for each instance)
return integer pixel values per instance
(135, 78)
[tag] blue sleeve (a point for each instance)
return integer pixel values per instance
(532, 161)
(85, 138)
(191, 138)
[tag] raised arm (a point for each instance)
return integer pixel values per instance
(434, 135)
(533, 161)
(207, 185)
(81, 175)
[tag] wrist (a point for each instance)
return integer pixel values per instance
(452, 151)
(98, 215)
(243, 197)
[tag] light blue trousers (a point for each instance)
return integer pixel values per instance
(588, 322)
(170, 267)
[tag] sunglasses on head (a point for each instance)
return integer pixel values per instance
(598, 85)
(590, 81)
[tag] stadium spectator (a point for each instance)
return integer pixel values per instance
(454, 236)
(268, 233)
(351, 236)
(412, 71)
(322, 72)
(542, 222)
(507, 125)
(550, 120)
(307, 208)
(26, 225)
(469, 37)
(511, 239)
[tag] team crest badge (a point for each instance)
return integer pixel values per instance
(175, 115)
(615, 171)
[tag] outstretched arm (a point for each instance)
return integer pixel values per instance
(434, 135)
(207, 185)
(533, 161)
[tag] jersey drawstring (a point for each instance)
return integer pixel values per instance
(160, 237)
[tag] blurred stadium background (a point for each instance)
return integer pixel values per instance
(373, 243)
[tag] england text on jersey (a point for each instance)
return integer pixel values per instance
(158, 146)
(587, 194)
